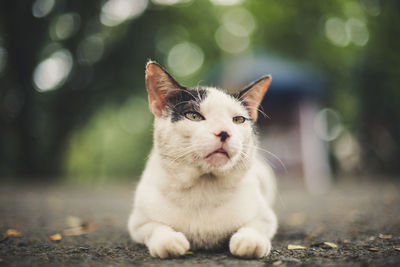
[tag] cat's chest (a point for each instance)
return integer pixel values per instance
(209, 212)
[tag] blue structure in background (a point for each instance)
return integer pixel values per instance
(292, 104)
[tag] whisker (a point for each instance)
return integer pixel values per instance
(270, 153)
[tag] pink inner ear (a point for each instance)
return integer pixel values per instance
(158, 84)
(254, 96)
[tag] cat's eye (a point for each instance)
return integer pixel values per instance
(194, 116)
(239, 119)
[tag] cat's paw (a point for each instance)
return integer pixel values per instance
(168, 244)
(249, 244)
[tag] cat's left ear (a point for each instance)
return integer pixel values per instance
(253, 94)
(160, 85)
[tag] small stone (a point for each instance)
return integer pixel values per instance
(275, 263)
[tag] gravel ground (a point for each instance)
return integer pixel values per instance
(360, 216)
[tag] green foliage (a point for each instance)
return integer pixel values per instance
(72, 126)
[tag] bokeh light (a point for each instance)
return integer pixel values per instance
(114, 12)
(358, 32)
(65, 26)
(91, 49)
(170, 2)
(233, 36)
(226, 2)
(52, 72)
(42, 8)
(335, 31)
(231, 43)
(239, 22)
(185, 58)
(327, 124)
(372, 7)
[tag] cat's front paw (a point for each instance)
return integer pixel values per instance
(249, 244)
(168, 244)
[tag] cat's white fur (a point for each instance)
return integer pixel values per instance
(188, 200)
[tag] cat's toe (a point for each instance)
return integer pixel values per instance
(249, 245)
(172, 245)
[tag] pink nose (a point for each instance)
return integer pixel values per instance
(223, 136)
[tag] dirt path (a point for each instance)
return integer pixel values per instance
(361, 218)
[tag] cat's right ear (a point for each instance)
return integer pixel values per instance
(160, 85)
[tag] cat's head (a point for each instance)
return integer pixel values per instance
(203, 127)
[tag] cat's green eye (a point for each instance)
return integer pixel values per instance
(239, 119)
(194, 116)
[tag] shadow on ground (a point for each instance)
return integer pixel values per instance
(359, 219)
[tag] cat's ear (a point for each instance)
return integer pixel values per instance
(160, 85)
(253, 94)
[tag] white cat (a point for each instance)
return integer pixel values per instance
(204, 184)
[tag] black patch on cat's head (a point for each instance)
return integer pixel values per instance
(185, 100)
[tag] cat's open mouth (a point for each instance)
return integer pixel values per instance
(219, 151)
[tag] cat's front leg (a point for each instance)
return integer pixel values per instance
(248, 243)
(165, 243)
(254, 239)
(161, 240)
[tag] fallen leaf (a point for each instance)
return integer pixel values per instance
(382, 236)
(190, 253)
(293, 247)
(55, 237)
(85, 228)
(13, 232)
(373, 249)
(277, 263)
(330, 244)
(398, 249)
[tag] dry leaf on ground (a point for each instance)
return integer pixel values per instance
(373, 249)
(294, 247)
(85, 228)
(55, 237)
(398, 249)
(382, 236)
(277, 263)
(330, 244)
(13, 232)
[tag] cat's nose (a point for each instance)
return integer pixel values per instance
(223, 136)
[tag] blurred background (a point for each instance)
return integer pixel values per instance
(73, 104)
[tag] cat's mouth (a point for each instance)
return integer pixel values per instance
(220, 151)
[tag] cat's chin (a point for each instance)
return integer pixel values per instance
(217, 160)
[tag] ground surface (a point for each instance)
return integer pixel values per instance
(362, 218)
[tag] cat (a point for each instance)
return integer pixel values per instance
(204, 184)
